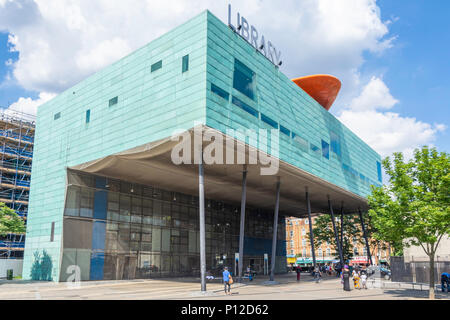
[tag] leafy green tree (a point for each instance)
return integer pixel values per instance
(414, 209)
(10, 221)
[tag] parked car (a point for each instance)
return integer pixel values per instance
(383, 271)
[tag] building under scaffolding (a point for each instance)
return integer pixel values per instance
(16, 152)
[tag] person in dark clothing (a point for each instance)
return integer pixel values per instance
(298, 270)
(445, 282)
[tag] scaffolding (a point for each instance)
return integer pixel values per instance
(16, 152)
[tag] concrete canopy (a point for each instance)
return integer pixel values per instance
(151, 164)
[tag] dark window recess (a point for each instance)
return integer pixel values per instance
(185, 64)
(245, 106)
(113, 101)
(52, 232)
(285, 130)
(244, 79)
(380, 178)
(88, 116)
(220, 92)
(314, 148)
(325, 150)
(156, 66)
(269, 121)
(57, 116)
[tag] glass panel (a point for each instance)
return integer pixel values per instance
(269, 121)
(380, 178)
(86, 203)
(244, 106)
(285, 130)
(156, 66)
(88, 116)
(243, 79)
(165, 240)
(335, 143)
(113, 101)
(185, 63)
(325, 150)
(73, 201)
(220, 92)
(156, 239)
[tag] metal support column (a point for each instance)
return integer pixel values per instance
(339, 247)
(311, 233)
(342, 224)
(201, 198)
(242, 227)
(365, 236)
(274, 238)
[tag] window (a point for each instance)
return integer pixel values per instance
(319, 251)
(245, 107)
(325, 150)
(328, 252)
(335, 143)
(285, 130)
(113, 101)
(315, 149)
(303, 231)
(355, 251)
(243, 79)
(304, 253)
(302, 143)
(292, 233)
(292, 243)
(52, 232)
(57, 116)
(185, 64)
(303, 242)
(306, 221)
(220, 92)
(269, 121)
(88, 116)
(156, 66)
(379, 171)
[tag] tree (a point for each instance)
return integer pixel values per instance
(414, 209)
(323, 232)
(10, 221)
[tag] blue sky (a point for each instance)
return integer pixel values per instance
(392, 56)
(418, 66)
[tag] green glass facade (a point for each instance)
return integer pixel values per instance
(200, 72)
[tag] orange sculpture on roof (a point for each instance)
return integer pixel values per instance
(321, 87)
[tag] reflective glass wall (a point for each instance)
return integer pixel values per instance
(119, 230)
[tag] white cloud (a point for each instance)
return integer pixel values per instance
(28, 105)
(61, 42)
(386, 132)
(375, 95)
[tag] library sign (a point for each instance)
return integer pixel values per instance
(251, 35)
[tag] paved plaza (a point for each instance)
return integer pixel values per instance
(189, 288)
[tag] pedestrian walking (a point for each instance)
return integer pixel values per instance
(298, 270)
(445, 282)
(364, 280)
(317, 274)
(227, 280)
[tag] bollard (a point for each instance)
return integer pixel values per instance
(9, 274)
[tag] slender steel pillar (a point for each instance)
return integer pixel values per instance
(275, 228)
(365, 236)
(201, 198)
(311, 233)
(342, 224)
(341, 257)
(242, 227)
